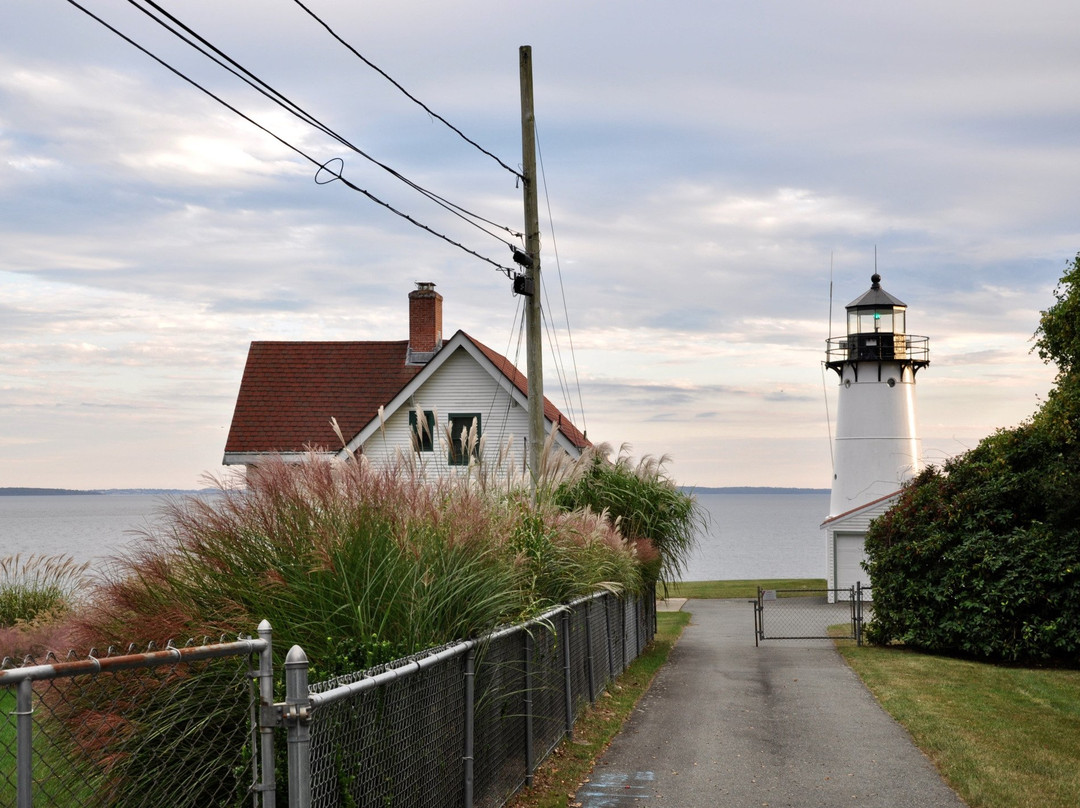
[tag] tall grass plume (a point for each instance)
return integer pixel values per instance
(38, 594)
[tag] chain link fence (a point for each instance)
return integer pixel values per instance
(168, 726)
(809, 614)
(465, 725)
(461, 725)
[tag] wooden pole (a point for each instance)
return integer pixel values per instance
(534, 352)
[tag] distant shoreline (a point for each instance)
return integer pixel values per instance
(750, 489)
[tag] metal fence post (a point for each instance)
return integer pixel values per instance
(297, 715)
(267, 720)
(588, 652)
(858, 613)
(607, 625)
(853, 601)
(652, 600)
(468, 717)
(639, 625)
(761, 612)
(567, 686)
(527, 645)
(24, 750)
(625, 638)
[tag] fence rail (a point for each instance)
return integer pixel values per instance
(462, 725)
(465, 725)
(111, 730)
(811, 614)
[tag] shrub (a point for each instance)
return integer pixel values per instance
(982, 556)
(954, 572)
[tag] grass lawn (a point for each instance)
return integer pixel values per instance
(7, 746)
(1003, 737)
(739, 589)
(7, 720)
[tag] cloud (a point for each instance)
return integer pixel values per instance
(712, 172)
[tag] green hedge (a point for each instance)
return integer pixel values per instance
(981, 557)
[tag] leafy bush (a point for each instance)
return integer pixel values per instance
(982, 556)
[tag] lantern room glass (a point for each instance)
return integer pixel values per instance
(874, 321)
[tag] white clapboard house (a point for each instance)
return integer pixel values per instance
(387, 397)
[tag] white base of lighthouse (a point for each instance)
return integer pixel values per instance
(877, 446)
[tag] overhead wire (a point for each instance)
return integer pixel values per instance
(559, 369)
(562, 289)
(519, 312)
(201, 44)
(322, 166)
(406, 93)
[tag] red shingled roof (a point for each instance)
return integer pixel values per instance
(291, 390)
(517, 378)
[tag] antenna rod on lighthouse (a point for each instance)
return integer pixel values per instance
(534, 353)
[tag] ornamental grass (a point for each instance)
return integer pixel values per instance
(356, 564)
(38, 594)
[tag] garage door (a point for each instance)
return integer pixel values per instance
(850, 554)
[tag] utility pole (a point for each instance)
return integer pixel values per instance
(534, 353)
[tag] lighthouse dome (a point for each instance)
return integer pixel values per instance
(876, 311)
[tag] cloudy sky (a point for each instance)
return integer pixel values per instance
(709, 167)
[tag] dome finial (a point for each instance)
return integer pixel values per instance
(875, 281)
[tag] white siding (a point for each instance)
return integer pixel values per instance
(877, 446)
(850, 552)
(842, 546)
(459, 386)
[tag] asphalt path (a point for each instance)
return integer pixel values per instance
(730, 725)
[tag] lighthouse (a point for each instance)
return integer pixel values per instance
(877, 444)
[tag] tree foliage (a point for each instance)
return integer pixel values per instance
(982, 555)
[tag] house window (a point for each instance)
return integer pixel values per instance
(422, 430)
(464, 438)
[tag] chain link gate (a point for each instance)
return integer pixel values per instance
(810, 614)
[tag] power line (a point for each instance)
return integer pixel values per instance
(519, 312)
(508, 271)
(265, 89)
(407, 94)
(562, 288)
(559, 367)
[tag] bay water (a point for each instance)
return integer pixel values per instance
(748, 535)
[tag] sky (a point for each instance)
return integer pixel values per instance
(717, 179)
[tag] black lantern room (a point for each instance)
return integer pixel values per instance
(877, 332)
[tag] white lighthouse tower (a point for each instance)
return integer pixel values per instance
(877, 446)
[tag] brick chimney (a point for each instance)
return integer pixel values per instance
(425, 323)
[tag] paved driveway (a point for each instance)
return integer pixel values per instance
(728, 725)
